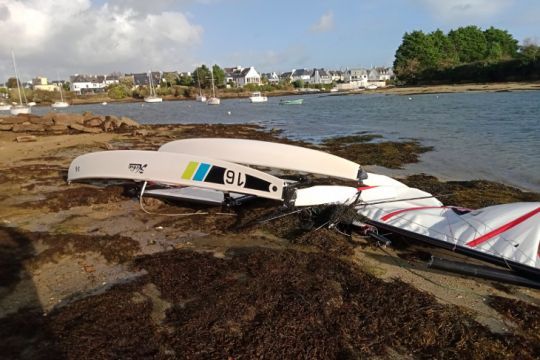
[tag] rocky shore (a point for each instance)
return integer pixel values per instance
(87, 274)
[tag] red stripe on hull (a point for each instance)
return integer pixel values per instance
(397, 212)
(503, 228)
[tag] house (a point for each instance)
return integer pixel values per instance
(142, 79)
(272, 77)
(229, 74)
(320, 76)
(356, 76)
(83, 84)
(380, 74)
(242, 76)
(337, 75)
(286, 76)
(41, 83)
(301, 74)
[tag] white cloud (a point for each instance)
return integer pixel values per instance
(78, 36)
(325, 23)
(466, 11)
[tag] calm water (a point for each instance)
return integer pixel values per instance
(492, 136)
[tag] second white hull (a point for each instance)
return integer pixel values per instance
(153, 99)
(200, 98)
(16, 110)
(5, 107)
(213, 101)
(60, 104)
(258, 99)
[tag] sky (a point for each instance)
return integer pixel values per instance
(58, 38)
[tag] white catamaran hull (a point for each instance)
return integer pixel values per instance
(268, 154)
(176, 169)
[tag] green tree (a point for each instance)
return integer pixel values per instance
(415, 54)
(117, 91)
(219, 75)
(470, 43)
(444, 53)
(529, 50)
(186, 80)
(11, 83)
(202, 75)
(500, 44)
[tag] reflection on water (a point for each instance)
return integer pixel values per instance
(476, 135)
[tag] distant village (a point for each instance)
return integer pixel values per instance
(235, 77)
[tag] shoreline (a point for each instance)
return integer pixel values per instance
(87, 269)
(390, 90)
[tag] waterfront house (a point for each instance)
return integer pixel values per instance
(241, 77)
(320, 76)
(41, 83)
(301, 74)
(286, 76)
(83, 84)
(272, 77)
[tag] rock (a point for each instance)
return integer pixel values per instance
(93, 122)
(27, 127)
(6, 127)
(107, 125)
(140, 132)
(129, 122)
(26, 138)
(57, 128)
(48, 117)
(85, 129)
(41, 120)
(13, 120)
(68, 119)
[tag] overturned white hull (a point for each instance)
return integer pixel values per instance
(268, 154)
(176, 169)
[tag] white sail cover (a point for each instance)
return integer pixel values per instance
(508, 231)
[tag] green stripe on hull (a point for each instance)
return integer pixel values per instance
(190, 169)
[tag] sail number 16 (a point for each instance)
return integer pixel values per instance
(234, 178)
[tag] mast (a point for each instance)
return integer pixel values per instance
(199, 81)
(16, 77)
(213, 88)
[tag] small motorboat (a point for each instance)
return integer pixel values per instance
(257, 97)
(291, 102)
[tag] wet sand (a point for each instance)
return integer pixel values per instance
(86, 273)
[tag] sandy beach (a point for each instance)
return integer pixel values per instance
(88, 273)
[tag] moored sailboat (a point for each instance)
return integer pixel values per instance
(152, 98)
(20, 108)
(213, 100)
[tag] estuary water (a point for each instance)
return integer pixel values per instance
(475, 135)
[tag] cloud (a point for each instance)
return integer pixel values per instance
(79, 36)
(466, 11)
(324, 24)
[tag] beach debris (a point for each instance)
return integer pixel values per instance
(26, 138)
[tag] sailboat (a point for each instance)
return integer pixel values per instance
(19, 108)
(152, 98)
(62, 103)
(200, 97)
(213, 100)
(4, 106)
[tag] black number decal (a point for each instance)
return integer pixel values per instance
(233, 178)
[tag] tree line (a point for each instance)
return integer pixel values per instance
(467, 54)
